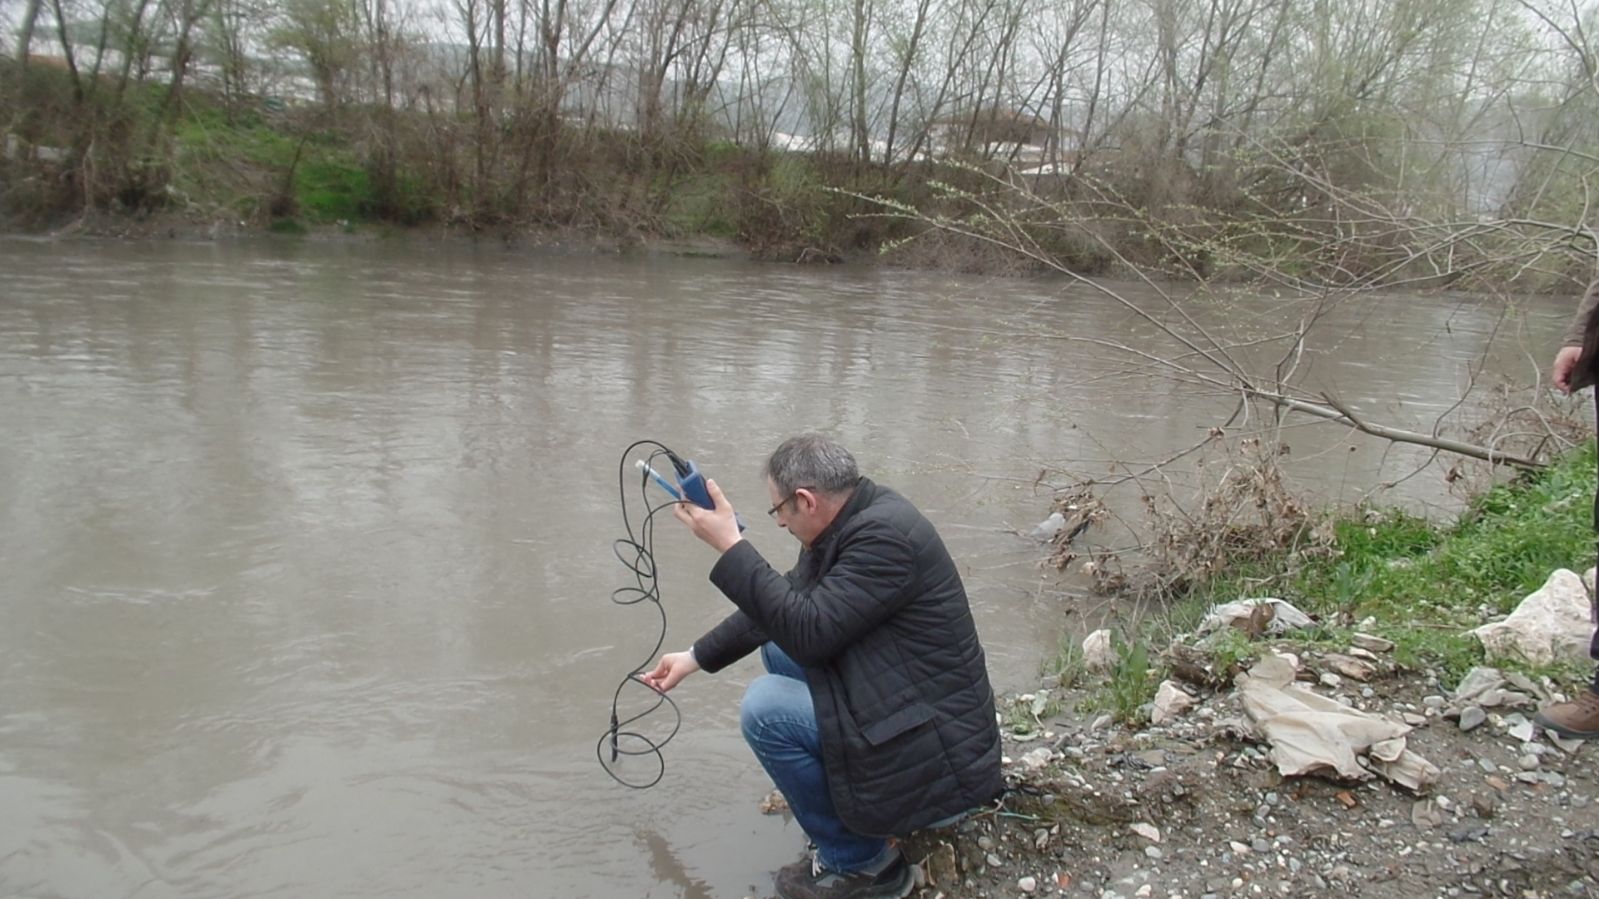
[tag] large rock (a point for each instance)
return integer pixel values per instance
(1171, 701)
(1554, 622)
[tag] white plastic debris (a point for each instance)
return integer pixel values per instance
(1097, 654)
(1037, 758)
(1049, 527)
(1349, 666)
(1266, 615)
(1371, 643)
(1554, 622)
(1312, 734)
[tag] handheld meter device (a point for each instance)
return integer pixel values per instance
(690, 484)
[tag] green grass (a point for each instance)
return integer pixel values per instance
(702, 204)
(330, 189)
(331, 180)
(1421, 584)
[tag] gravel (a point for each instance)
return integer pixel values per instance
(1508, 817)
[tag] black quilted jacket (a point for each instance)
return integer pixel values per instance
(876, 614)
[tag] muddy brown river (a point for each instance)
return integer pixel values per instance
(305, 549)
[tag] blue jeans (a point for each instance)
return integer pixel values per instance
(779, 723)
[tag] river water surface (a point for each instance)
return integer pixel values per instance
(306, 550)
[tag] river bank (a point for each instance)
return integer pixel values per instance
(195, 226)
(1196, 808)
(1197, 802)
(148, 160)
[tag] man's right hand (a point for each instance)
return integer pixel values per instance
(1565, 366)
(673, 667)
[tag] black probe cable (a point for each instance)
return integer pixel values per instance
(636, 552)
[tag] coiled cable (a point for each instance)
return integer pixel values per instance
(636, 552)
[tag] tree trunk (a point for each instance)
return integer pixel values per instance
(25, 31)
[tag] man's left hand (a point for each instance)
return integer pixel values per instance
(717, 527)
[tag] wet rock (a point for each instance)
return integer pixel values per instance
(1485, 805)
(1469, 833)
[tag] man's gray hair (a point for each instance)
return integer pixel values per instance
(813, 462)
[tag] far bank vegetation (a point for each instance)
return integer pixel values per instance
(768, 121)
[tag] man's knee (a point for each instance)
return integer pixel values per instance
(758, 704)
(768, 699)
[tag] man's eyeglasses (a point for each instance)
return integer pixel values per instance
(772, 512)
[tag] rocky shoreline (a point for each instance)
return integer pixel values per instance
(1196, 808)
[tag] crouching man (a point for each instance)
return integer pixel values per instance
(875, 717)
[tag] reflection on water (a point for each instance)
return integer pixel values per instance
(669, 870)
(308, 548)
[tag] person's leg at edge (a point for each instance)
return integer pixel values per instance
(779, 723)
(1579, 718)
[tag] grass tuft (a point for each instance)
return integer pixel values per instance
(1422, 584)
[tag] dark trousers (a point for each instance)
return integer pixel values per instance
(1593, 647)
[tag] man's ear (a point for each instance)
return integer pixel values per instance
(805, 496)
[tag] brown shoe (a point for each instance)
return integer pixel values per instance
(1574, 720)
(809, 880)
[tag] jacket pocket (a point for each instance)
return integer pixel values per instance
(887, 728)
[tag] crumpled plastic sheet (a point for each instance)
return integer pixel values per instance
(1312, 734)
(1267, 614)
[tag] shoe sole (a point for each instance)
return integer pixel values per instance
(1563, 731)
(902, 890)
(894, 891)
